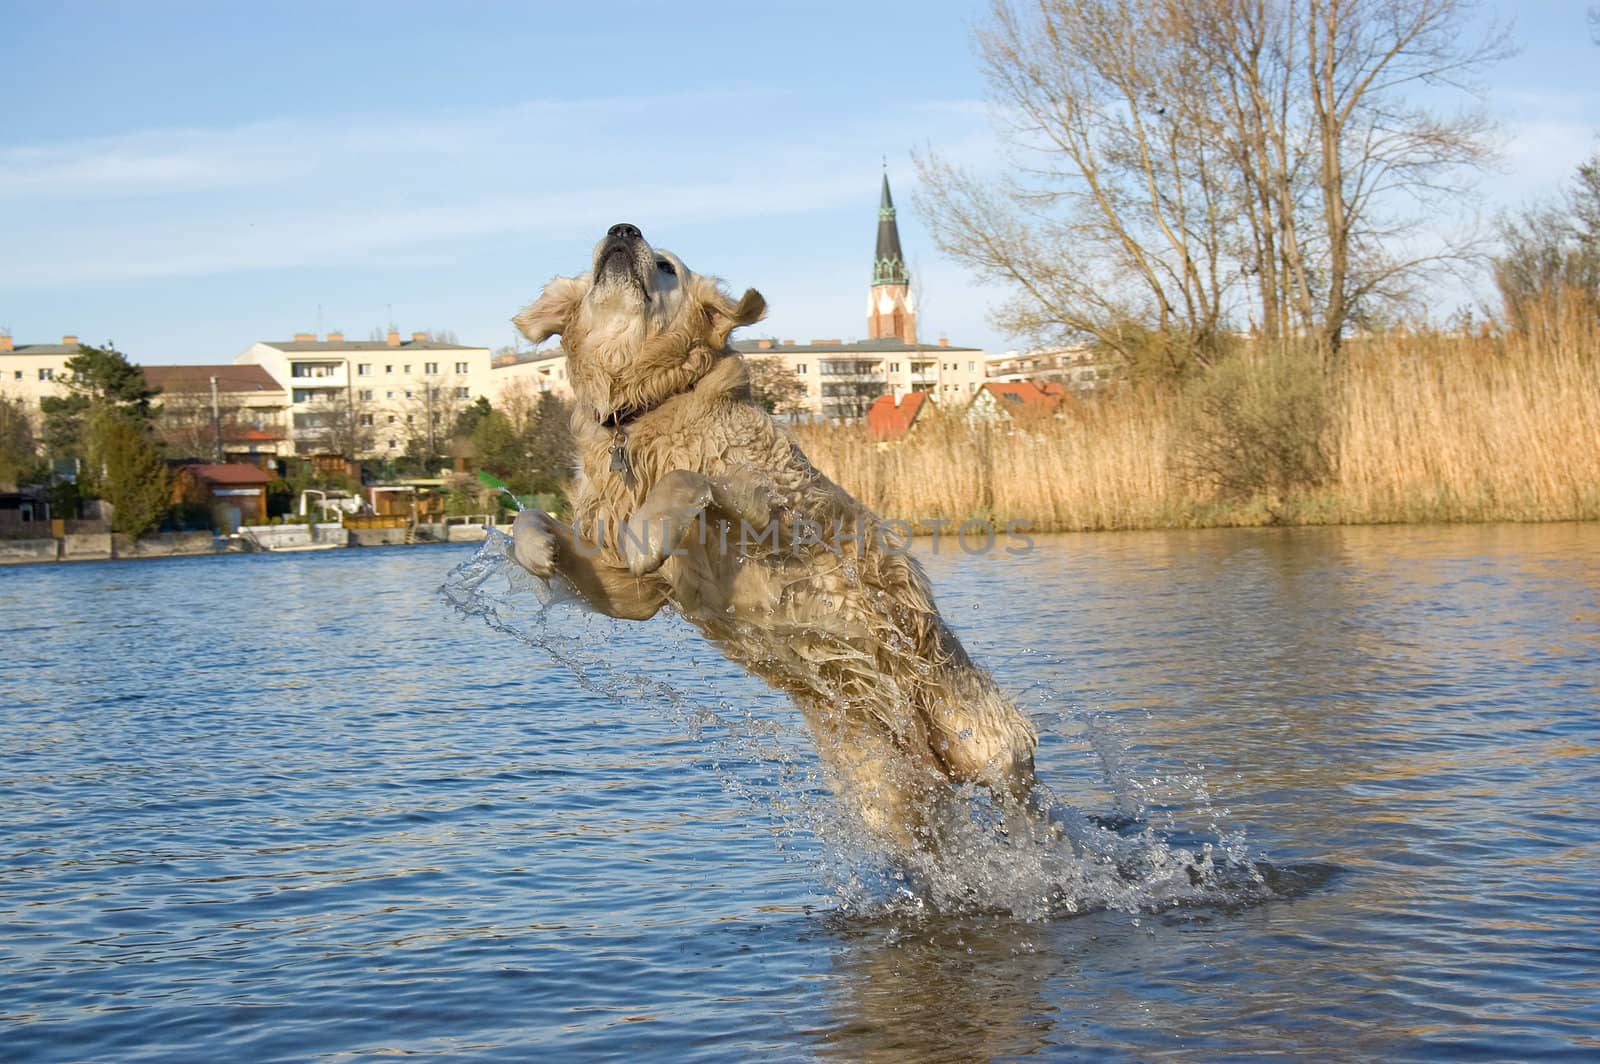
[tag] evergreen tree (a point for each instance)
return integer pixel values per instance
(98, 378)
(19, 454)
(105, 421)
(128, 471)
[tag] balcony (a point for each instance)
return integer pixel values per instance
(318, 375)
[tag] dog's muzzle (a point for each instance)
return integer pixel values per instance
(622, 256)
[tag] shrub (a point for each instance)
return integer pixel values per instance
(1258, 425)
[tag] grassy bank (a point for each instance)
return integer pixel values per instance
(1407, 428)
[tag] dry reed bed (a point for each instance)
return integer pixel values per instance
(1423, 428)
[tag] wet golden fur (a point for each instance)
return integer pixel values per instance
(846, 626)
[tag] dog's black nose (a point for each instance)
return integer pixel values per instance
(625, 231)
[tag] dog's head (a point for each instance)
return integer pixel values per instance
(640, 326)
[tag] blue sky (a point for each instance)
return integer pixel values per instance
(188, 178)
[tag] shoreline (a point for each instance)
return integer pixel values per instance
(946, 542)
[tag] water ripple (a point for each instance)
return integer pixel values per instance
(346, 821)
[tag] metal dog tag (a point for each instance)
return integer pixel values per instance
(619, 457)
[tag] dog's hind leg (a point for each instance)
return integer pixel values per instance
(980, 737)
(897, 796)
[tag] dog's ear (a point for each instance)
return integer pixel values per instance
(549, 314)
(751, 308)
(726, 315)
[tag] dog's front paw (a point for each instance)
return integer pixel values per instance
(748, 496)
(533, 542)
(646, 542)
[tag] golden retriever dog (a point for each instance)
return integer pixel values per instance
(689, 495)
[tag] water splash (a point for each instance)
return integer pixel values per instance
(1063, 861)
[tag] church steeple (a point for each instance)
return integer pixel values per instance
(889, 264)
(890, 310)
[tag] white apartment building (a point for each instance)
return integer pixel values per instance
(842, 379)
(531, 372)
(32, 371)
(385, 392)
(1080, 368)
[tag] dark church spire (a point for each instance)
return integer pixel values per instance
(889, 264)
(891, 312)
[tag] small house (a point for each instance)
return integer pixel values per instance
(235, 493)
(890, 417)
(1017, 403)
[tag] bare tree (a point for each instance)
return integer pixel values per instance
(339, 424)
(1548, 271)
(774, 385)
(1188, 163)
(1375, 147)
(429, 414)
(189, 426)
(1119, 217)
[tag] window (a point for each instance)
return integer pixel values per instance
(366, 419)
(18, 375)
(392, 419)
(839, 368)
(364, 370)
(365, 395)
(972, 387)
(389, 394)
(461, 367)
(47, 374)
(304, 395)
(410, 394)
(391, 445)
(894, 367)
(408, 367)
(409, 419)
(388, 369)
(463, 393)
(972, 367)
(313, 369)
(430, 368)
(800, 370)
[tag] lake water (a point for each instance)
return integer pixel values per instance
(293, 807)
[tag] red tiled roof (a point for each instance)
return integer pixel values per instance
(889, 419)
(230, 378)
(1026, 398)
(231, 473)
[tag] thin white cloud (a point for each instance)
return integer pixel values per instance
(375, 237)
(1541, 156)
(362, 191)
(271, 152)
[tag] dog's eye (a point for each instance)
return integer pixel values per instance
(666, 267)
